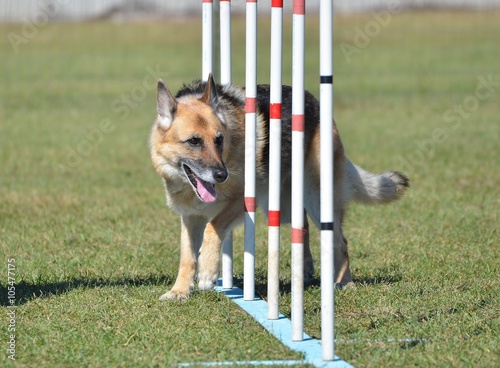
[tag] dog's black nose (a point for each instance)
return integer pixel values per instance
(220, 175)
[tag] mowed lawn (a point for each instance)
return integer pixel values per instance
(83, 215)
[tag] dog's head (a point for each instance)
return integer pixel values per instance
(188, 140)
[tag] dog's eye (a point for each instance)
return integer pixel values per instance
(195, 141)
(219, 139)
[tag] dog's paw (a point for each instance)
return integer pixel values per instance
(207, 281)
(208, 270)
(345, 286)
(177, 294)
(174, 296)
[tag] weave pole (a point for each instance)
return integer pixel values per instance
(225, 79)
(275, 159)
(207, 22)
(225, 42)
(326, 180)
(250, 150)
(298, 91)
(326, 152)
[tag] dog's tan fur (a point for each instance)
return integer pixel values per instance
(197, 146)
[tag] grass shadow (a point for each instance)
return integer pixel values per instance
(377, 280)
(383, 277)
(25, 291)
(285, 285)
(411, 343)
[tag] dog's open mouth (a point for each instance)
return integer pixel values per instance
(205, 190)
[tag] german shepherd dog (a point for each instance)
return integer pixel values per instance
(197, 146)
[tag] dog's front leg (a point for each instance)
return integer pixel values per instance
(191, 238)
(209, 258)
(210, 252)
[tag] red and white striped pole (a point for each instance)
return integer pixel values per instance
(250, 151)
(207, 18)
(326, 180)
(275, 159)
(298, 170)
(225, 79)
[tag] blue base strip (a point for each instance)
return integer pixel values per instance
(282, 330)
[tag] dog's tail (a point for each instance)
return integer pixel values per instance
(370, 188)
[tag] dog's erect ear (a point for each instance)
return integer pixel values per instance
(210, 94)
(165, 105)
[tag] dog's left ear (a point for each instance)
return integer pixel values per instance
(210, 94)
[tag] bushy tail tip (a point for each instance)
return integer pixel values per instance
(370, 188)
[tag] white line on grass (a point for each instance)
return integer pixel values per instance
(246, 363)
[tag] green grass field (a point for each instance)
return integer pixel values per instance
(84, 216)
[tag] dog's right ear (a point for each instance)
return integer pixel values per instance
(165, 105)
(210, 95)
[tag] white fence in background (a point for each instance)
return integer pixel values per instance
(79, 10)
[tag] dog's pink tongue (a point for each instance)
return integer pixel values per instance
(206, 190)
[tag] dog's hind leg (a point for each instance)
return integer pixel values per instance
(340, 253)
(308, 258)
(312, 202)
